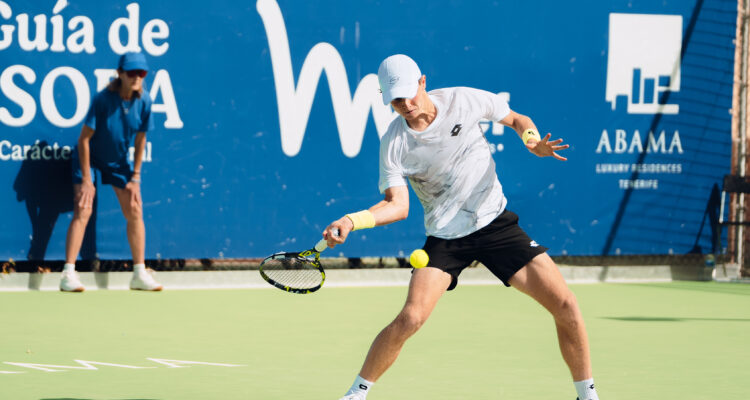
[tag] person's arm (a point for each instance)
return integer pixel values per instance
(393, 208)
(140, 146)
(84, 157)
(135, 181)
(527, 131)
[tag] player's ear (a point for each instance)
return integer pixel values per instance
(423, 82)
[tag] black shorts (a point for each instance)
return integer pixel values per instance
(502, 246)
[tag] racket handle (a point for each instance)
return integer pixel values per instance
(323, 244)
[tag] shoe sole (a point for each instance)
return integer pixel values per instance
(76, 290)
(159, 289)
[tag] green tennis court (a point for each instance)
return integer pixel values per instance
(682, 340)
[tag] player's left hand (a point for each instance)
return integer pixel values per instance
(546, 148)
(134, 188)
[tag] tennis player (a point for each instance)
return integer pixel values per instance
(120, 115)
(437, 146)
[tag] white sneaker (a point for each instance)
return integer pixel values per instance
(144, 281)
(70, 282)
(354, 396)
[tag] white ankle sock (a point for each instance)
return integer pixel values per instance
(139, 268)
(586, 389)
(69, 267)
(361, 386)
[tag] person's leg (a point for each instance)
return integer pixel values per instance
(425, 288)
(69, 281)
(541, 280)
(81, 216)
(132, 208)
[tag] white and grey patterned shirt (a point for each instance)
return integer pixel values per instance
(449, 165)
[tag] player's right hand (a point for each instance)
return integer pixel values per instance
(86, 197)
(344, 225)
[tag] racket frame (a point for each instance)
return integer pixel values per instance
(303, 257)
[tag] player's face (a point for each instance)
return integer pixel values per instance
(411, 109)
(132, 80)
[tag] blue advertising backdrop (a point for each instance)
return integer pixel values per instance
(268, 118)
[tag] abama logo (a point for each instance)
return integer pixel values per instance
(295, 103)
(644, 62)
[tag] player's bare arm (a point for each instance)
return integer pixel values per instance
(542, 148)
(140, 147)
(393, 208)
(134, 186)
(88, 190)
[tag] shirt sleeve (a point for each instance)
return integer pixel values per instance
(147, 123)
(494, 107)
(391, 171)
(499, 108)
(90, 119)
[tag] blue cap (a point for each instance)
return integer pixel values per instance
(131, 61)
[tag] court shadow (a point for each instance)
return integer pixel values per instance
(671, 319)
(44, 183)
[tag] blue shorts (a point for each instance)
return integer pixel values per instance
(118, 175)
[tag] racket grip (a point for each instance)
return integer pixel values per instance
(323, 244)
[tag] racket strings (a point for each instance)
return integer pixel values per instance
(295, 272)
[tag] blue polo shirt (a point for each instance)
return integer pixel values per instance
(115, 122)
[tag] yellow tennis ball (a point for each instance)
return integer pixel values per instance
(419, 258)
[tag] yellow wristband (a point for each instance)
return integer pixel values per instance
(528, 134)
(362, 219)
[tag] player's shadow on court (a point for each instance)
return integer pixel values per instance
(46, 188)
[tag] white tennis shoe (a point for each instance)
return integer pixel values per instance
(69, 282)
(144, 281)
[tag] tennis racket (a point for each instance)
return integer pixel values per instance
(296, 272)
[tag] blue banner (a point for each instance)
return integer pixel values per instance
(268, 119)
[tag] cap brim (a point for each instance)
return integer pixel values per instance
(400, 92)
(129, 66)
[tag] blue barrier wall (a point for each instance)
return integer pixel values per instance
(268, 118)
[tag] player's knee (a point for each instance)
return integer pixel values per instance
(133, 213)
(410, 320)
(567, 308)
(82, 214)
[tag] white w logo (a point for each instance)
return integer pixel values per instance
(295, 104)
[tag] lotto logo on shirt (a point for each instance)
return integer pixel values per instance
(643, 65)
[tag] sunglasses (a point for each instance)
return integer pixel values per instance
(136, 72)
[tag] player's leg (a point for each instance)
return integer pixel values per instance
(132, 209)
(69, 281)
(541, 280)
(425, 288)
(77, 228)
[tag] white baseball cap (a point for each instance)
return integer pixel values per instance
(398, 76)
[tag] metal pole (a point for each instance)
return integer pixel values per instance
(742, 156)
(739, 130)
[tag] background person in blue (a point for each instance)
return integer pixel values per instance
(120, 115)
